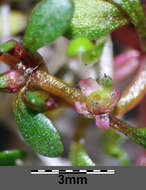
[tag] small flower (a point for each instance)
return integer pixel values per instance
(101, 98)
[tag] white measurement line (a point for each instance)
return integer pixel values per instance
(100, 173)
(40, 173)
(91, 172)
(82, 170)
(68, 170)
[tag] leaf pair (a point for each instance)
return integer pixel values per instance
(51, 18)
(91, 19)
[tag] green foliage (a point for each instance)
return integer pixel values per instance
(36, 99)
(88, 52)
(138, 135)
(94, 55)
(79, 156)
(95, 18)
(9, 157)
(79, 46)
(4, 81)
(49, 20)
(5, 47)
(107, 82)
(92, 20)
(133, 9)
(113, 148)
(37, 130)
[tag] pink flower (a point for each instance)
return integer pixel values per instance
(100, 99)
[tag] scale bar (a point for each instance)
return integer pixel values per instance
(63, 172)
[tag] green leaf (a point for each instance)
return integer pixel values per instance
(88, 52)
(133, 9)
(138, 135)
(4, 81)
(5, 47)
(37, 130)
(112, 141)
(95, 18)
(113, 148)
(79, 46)
(79, 156)
(9, 157)
(93, 56)
(36, 99)
(107, 82)
(124, 159)
(49, 20)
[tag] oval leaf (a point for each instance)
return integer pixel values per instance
(37, 130)
(36, 100)
(79, 46)
(94, 18)
(9, 157)
(79, 156)
(49, 20)
(113, 146)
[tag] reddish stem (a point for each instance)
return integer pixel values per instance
(135, 92)
(43, 80)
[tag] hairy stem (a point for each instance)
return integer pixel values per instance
(45, 81)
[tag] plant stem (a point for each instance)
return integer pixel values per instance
(135, 92)
(119, 125)
(81, 128)
(45, 81)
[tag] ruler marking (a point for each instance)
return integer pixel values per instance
(63, 172)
